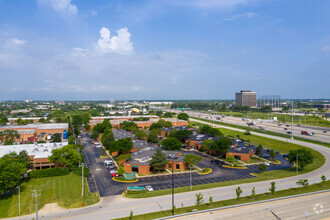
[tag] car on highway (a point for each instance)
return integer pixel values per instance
(287, 125)
(288, 132)
(285, 128)
(149, 188)
(325, 132)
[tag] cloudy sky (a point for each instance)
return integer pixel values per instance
(163, 49)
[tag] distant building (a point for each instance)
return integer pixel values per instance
(246, 98)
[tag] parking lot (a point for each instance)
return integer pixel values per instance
(100, 179)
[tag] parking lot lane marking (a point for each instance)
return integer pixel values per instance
(157, 187)
(154, 178)
(164, 186)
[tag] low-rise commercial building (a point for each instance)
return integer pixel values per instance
(240, 153)
(38, 153)
(34, 132)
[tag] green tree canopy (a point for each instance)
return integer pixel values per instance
(56, 137)
(9, 135)
(95, 135)
(159, 161)
(141, 134)
(68, 156)
(206, 144)
(192, 160)
(181, 135)
(129, 125)
(153, 136)
(171, 144)
(221, 145)
(71, 140)
(168, 115)
(304, 155)
(3, 120)
(259, 151)
(183, 116)
(122, 145)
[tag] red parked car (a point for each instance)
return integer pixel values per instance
(114, 175)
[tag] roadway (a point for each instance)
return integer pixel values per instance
(270, 126)
(315, 206)
(116, 206)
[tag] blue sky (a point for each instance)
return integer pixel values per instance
(164, 49)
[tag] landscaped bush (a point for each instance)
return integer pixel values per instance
(78, 170)
(57, 171)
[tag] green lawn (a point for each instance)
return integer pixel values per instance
(255, 159)
(65, 190)
(260, 197)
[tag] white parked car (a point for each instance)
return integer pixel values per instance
(266, 163)
(113, 171)
(98, 146)
(108, 162)
(149, 188)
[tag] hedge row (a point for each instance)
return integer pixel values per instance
(78, 171)
(57, 171)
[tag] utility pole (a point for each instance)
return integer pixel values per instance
(36, 194)
(297, 165)
(292, 122)
(19, 200)
(82, 178)
(190, 180)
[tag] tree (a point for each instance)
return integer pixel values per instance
(154, 126)
(121, 146)
(141, 134)
(56, 138)
(68, 156)
(129, 125)
(11, 173)
(204, 129)
(107, 138)
(3, 120)
(158, 161)
(272, 188)
(214, 132)
(181, 135)
(221, 145)
(191, 160)
(253, 192)
(206, 144)
(168, 115)
(210, 200)
(159, 113)
(302, 182)
(183, 116)
(95, 134)
(323, 178)
(124, 157)
(262, 167)
(304, 156)
(121, 170)
(9, 135)
(199, 199)
(230, 159)
(71, 140)
(259, 151)
(272, 153)
(171, 144)
(153, 136)
(238, 192)
(266, 109)
(285, 108)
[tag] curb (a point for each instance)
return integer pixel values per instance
(210, 171)
(124, 181)
(241, 168)
(253, 175)
(277, 162)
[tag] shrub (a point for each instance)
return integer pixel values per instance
(57, 171)
(230, 159)
(247, 133)
(78, 170)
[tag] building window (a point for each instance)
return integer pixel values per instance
(169, 165)
(177, 166)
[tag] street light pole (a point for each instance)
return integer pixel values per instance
(82, 178)
(190, 180)
(19, 200)
(297, 165)
(292, 122)
(172, 190)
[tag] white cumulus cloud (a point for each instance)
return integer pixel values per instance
(61, 6)
(118, 44)
(14, 44)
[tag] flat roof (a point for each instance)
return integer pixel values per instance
(242, 150)
(38, 126)
(43, 150)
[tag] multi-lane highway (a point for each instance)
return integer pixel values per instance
(321, 133)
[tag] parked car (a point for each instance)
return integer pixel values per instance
(149, 188)
(108, 162)
(87, 165)
(114, 175)
(266, 156)
(79, 136)
(98, 145)
(113, 171)
(215, 161)
(111, 167)
(285, 156)
(266, 163)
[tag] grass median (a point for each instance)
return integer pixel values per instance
(65, 190)
(281, 146)
(260, 197)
